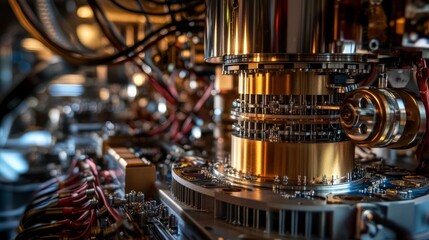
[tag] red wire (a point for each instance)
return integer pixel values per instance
(164, 92)
(72, 167)
(204, 98)
(164, 125)
(80, 186)
(174, 130)
(187, 124)
(93, 170)
(422, 80)
(73, 194)
(87, 231)
(371, 78)
(83, 216)
(172, 84)
(112, 211)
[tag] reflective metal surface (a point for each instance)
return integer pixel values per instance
(383, 118)
(310, 161)
(287, 83)
(325, 58)
(239, 27)
(292, 107)
(292, 172)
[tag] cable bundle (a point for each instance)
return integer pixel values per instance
(31, 23)
(177, 128)
(182, 17)
(73, 206)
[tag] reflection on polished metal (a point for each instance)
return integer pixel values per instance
(286, 106)
(287, 113)
(390, 118)
(287, 83)
(240, 27)
(225, 88)
(298, 61)
(288, 124)
(312, 161)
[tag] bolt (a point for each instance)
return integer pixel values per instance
(285, 179)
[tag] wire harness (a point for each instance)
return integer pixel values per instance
(74, 206)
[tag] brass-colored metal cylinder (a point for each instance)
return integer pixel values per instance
(290, 86)
(312, 160)
(284, 83)
(288, 125)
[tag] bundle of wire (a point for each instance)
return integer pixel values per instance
(73, 206)
(168, 91)
(179, 23)
(31, 23)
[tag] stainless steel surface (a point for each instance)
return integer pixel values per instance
(289, 211)
(283, 61)
(383, 118)
(240, 27)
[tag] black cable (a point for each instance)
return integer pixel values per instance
(116, 39)
(29, 21)
(52, 28)
(56, 27)
(184, 9)
(36, 231)
(140, 4)
(41, 202)
(40, 75)
(165, 2)
(107, 27)
(38, 215)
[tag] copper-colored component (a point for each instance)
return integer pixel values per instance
(390, 118)
(134, 173)
(313, 160)
(288, 125)
(291, 85)
(402, 183)
(288, 83)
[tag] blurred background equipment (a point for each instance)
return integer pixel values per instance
(216, 119)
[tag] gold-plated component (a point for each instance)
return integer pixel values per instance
(390, 118)
(287, 83)
(288, 125)
(402, 183)
(290, 119)
(415, 178)
(312, 160)
(415, 121)
(391, 192)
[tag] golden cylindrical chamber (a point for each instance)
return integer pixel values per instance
(291, 87)
(287, 125)
(310, 163)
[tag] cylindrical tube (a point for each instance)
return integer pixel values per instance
(240, 27)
